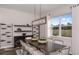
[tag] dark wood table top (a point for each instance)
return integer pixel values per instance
(44, 47)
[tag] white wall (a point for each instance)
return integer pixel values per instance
(75, 31)
(61, 10)
(15, 16)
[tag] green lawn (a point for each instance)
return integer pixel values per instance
(65, 33)
(55, 32)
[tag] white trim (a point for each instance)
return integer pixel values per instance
(60, 27)
(62, 37)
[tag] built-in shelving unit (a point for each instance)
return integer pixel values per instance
(6, 35)
(23, 29)
(35, 31)
(36, 26)
(19, 30)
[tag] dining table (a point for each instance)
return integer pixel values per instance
(43, 47)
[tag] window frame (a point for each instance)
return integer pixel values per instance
(60, 29)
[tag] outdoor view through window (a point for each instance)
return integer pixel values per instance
(62, 25)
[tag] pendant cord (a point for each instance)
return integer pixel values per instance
(40, 10)
(34, 12)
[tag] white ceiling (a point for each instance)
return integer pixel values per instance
(30, 7)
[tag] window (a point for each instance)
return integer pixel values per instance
(66, 25)
(55, 26)
(62, 25)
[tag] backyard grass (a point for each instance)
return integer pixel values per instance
(65, 33)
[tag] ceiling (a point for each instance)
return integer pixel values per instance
(45, 8)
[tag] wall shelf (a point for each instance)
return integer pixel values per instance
(23, 31)
(22, 25)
